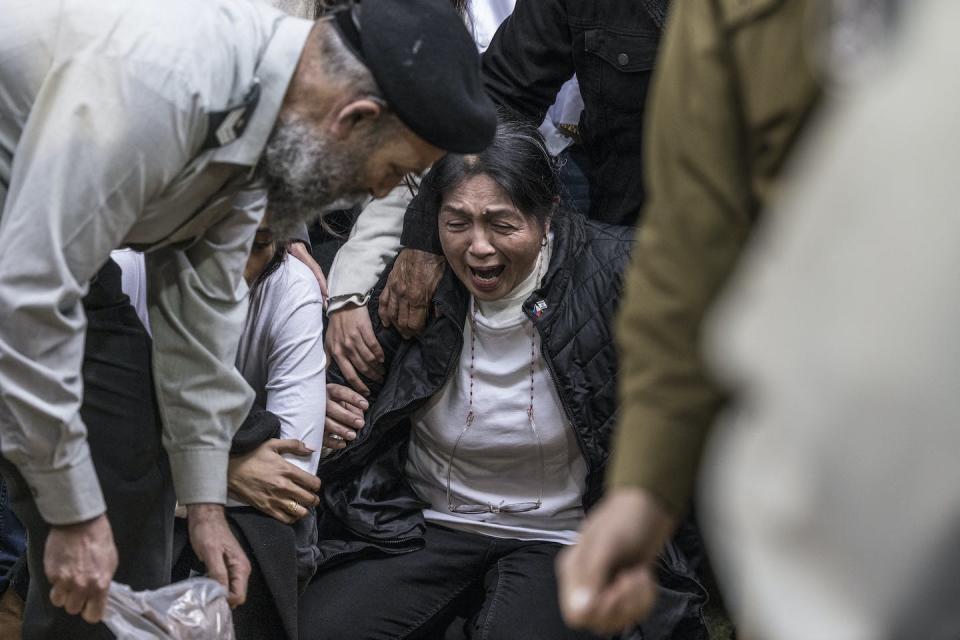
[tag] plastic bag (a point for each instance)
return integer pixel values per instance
(194, 609)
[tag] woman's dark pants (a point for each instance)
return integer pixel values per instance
(507, 587)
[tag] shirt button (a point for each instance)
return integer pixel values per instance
(622, 59)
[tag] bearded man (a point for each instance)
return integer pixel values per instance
(133, 124)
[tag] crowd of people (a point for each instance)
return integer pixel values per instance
(638, 326)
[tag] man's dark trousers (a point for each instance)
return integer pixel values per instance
(123, 431)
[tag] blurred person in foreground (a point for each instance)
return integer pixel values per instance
(733, 89)
(832, 485)
(134, 124)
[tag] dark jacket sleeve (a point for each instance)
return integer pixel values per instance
(259, 426)
(420, 221)
(529, 58)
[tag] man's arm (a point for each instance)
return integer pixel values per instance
(83, 170)
(197, 305)
(373, 243)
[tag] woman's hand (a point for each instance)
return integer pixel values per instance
(263, 479)
(345, 409)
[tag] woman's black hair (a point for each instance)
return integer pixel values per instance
(279, 255)
(517, 160)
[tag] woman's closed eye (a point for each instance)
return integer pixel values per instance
(456, 225)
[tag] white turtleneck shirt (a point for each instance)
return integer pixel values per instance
(497, 461)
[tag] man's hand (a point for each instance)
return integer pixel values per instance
(344, 416)
(265, 480)
(405, 300)
(214, 544)
(299, 251)
(80, 560)
(351, 342)
(607, 581)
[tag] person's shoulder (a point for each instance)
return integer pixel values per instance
(177, 47)
(296, 281)
(611, 232)
(603, 256)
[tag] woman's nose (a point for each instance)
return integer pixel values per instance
(480, 245)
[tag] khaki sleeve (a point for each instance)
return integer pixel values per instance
(697, 219)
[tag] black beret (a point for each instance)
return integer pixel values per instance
(427, 66)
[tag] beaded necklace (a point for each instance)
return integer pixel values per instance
(520, 507)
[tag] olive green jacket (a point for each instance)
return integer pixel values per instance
(734, 86)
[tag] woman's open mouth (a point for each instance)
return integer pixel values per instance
(486, 279)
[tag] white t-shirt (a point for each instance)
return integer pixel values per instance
(133, 281)
(498, 459)
(281, 355)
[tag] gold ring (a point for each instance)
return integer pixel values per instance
(295, 507)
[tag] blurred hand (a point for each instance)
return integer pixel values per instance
(79, 561)
(265, 480)
(215, 546)
(299, 251)
(344, 416)
(351, 342)
(405, 301)
(607, 580)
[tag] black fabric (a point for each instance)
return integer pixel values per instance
(369, 508)
(259, 426)
(427, 66)
(503, 589)
(123, 432)
(420, 220)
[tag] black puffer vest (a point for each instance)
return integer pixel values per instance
(369, 507)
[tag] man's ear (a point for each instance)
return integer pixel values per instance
(354, 113)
